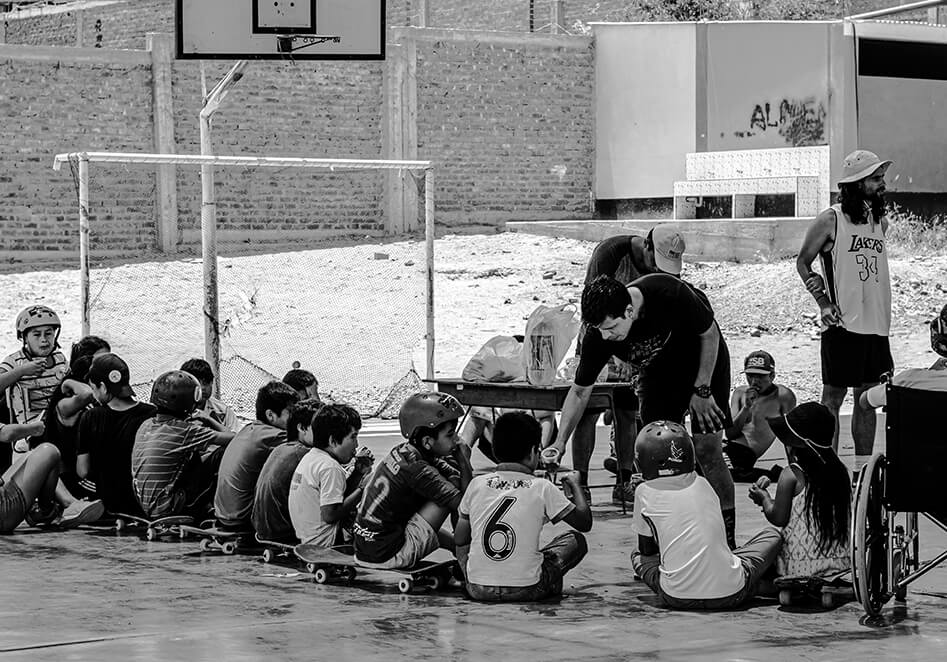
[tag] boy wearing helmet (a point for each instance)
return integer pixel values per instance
(925, 379)
(30, 375)
(409, 497)
(682, 553)
(175, 459)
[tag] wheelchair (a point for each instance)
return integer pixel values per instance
(892, 490)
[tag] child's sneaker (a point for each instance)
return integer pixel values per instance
(37, 515)
(82, 512)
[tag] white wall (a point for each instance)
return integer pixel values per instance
(645, 112)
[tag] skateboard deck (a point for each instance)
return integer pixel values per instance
(154, 528)
(273, 550)
(326, 564)
(830, 590)
(213, 538)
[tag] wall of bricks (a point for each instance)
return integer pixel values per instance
(50, 107)
(508, 122)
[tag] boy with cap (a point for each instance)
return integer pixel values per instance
(106, 434)
(853, 292)
(750, 436)
(682, 554)
(175, 459)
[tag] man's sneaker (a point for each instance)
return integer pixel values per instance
(37, 515)
(82, 512)
(628, 489)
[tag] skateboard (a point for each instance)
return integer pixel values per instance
(326, 564)
(155, 528)
(273, 550)
(830, 590)
(220, 539)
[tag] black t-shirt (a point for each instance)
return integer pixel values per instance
(270, 514)
(108, 436)
(403, 482)
(616, 257)
(664, 340)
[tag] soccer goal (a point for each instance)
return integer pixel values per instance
(253, 317)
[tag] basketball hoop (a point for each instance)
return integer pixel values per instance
(286, 43)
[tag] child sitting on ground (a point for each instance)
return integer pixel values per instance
(245, 455)
(304, 382)
(690, 565)
(321, 496)
(503, 512)
(813, 496)
(270, 516)
(407, 499)
(31, 478)
(750, 406)
(210, 410)
(107, 433)
(175, 459)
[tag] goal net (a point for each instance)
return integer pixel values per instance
(357, 315)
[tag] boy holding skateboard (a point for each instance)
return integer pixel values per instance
(408, 497)
(321, 495)
(503, 512)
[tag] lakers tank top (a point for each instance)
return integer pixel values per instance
(856, 274)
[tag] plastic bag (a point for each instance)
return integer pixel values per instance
(499, 360)
(549, 333)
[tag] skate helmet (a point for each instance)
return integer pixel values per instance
(34, 316)
(939, 333)
(176, 392)
(427, 410)
(663, 448)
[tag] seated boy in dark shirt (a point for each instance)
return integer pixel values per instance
(106, 434)
(407, 499)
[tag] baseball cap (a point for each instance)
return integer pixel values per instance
(860, 164)
(810, 424)
(111, 370)
(668, 248)
(759, 363)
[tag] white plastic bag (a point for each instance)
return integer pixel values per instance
(549, 333)
(499, 360)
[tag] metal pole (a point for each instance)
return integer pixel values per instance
(209, 256)
(890, 11)
(429, 255)
(84, 243)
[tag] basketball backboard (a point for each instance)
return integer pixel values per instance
(280, 29)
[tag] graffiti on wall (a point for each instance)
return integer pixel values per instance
(800, 122)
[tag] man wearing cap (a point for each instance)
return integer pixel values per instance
(661, 326)
(750, 406)
(854, 292)
(625, 258)
(106, 434)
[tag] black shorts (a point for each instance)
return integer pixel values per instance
(853, 359)
(664, 399)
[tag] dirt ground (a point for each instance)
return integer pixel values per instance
(345, 302)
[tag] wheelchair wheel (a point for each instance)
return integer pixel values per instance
(870, 538)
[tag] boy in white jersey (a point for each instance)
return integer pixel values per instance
(853, 292)
(502, 514)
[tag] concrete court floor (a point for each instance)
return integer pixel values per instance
(92, 595)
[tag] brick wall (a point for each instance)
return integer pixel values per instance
(52, 106)
(509, 123)
(310, 109)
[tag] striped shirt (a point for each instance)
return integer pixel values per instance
(164, 446)
(29, 397)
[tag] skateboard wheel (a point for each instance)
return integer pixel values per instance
(828, 601)
(204, 545)
(350, 574)
(321, 576)
(182, 533)
(119, 525)
(437, 583)
(151, 533)
(267, 555)
(228, 547)
(785, 598)
(405, 585)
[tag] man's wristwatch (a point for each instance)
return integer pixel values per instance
(703, 391)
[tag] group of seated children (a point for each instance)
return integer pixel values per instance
(295, 474)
